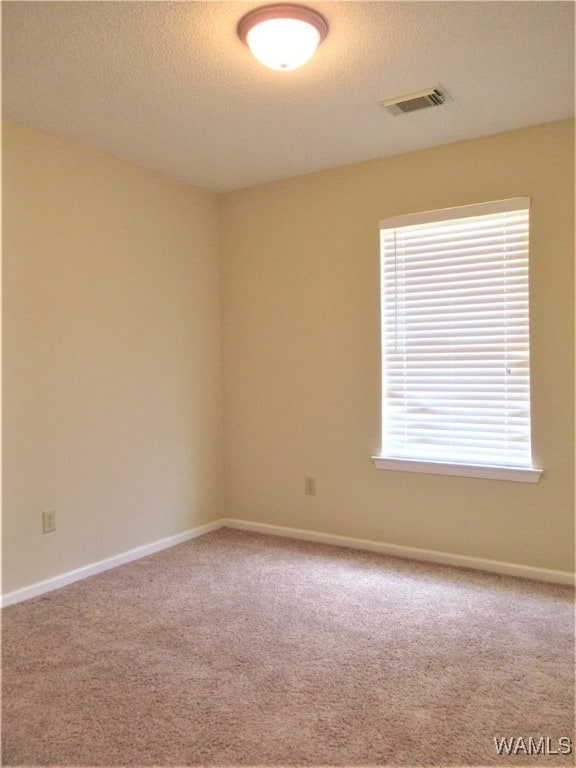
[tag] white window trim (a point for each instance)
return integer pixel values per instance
(487, 471)
(460, 212)
(528, 474)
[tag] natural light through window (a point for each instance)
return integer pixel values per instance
(455, 342)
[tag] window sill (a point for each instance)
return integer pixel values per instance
(492, 472)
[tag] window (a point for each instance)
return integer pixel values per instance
(455, 342)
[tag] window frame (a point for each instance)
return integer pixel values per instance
(518, 473)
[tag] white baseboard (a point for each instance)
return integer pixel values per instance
(396, 550)
(409, 553)
(104, 565)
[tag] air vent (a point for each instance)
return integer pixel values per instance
(410, 102)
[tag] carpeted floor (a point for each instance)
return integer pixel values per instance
(242, 649)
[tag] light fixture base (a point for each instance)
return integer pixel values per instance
(281, 11)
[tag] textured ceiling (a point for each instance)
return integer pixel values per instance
(169, 86)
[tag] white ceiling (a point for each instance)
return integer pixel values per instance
(169, 86)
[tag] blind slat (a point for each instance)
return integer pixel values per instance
(455, 341)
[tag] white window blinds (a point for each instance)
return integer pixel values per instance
(455, 335)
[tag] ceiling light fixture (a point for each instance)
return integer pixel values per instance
(282, 36)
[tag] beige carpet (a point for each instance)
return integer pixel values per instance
(243, 649)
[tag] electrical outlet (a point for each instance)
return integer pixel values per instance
(48, 522)
(310, 486)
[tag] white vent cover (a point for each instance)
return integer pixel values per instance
(410, 102)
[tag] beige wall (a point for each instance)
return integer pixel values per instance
(112, 359)
(301, 352)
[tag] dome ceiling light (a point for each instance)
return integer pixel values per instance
(282, 36)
